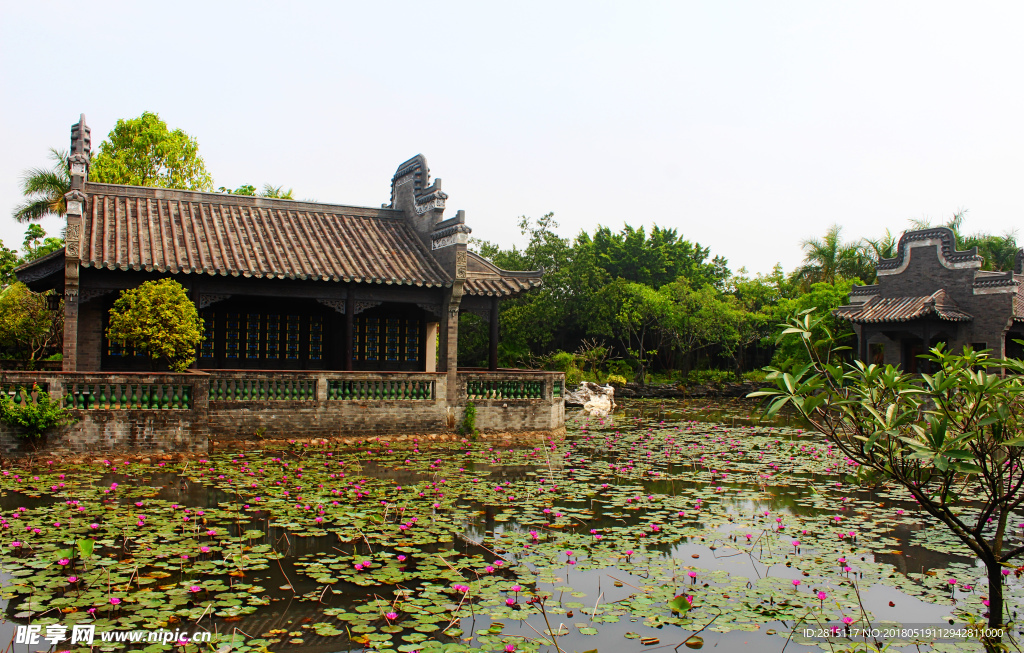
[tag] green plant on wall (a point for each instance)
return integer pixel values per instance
(32, 419)
(468, 425)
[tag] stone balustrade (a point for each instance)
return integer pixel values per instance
(179, 412)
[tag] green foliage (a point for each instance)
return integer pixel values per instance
(822, 298)
(716, 378)
(616, 380)
(37, 244)
(44, 189)
(829, 259)
(144, 152)
(949, 438)
(468, 425)
(159, 320)
(8, 261)
(274, 192)
(656, 260)
(28, 328)
(33, 419)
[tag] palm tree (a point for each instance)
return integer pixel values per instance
(45, 189)
(830, 258)
(276, 192)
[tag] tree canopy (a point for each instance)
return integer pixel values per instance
(44, 189)
(144, 152)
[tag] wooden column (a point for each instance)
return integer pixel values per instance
(492, 356)
(350, 314)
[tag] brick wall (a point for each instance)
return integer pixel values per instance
(90, 335)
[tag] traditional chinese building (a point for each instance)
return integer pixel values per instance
(320, 319)
(932, 293)
(280, 284)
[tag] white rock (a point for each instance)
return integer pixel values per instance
(597, 401)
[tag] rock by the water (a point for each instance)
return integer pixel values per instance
(597, 400)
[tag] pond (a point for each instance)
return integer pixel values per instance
(633, 533)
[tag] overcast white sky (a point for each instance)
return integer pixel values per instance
(747, 126)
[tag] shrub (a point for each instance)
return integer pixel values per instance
(616, 380)
(159, 320)
(31, 420)
(709, 377)
(756, 376)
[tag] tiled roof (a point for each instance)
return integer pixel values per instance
(903, 309)
(1018, 304)
(127, 227)
(488, 280)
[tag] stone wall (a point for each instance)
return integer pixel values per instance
(143, 412)
(117, 423)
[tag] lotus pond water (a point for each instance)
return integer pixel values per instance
(638, 532)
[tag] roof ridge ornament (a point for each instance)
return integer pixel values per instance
(946, 249)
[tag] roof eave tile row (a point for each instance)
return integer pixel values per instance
(231, 238)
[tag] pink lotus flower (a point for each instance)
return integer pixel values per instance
(847, 620)
(195, 588)
(114, 600)
(391, 616)
(401, 558)
(63, 561)
(204, 549)
(796, 583)
(822, 596)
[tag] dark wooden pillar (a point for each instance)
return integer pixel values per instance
(350, 314)
(492, 357)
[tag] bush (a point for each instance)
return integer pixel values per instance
(709, 377)
(620, 368)
(159, 320)
(31, 420)
(755, 376)
(616, 380)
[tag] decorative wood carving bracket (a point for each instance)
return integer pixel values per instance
(206, 300)
(337, 304)
(362, 305)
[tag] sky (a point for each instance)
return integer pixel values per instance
(746, 126)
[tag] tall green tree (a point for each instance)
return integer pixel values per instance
(658, 259)
(8, 261)
(44, 189)
(144, 152)
(37, 244)
(28, 328)
(828, 258)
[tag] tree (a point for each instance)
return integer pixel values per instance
(8, 261)
(270, 191)
(954, 439)
(656, 260)
(158, 320)
(28, 328)
(45, 189)
(36, 244)
(144, 152)
(829, 258)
